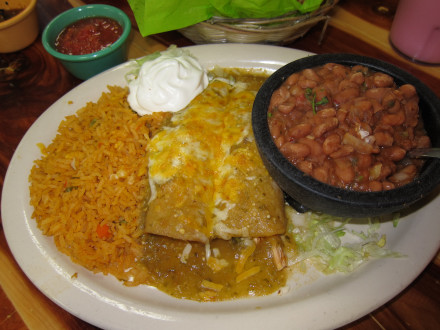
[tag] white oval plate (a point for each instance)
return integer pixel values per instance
(313, 302)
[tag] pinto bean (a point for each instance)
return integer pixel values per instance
(279, 141)
(341, 115)
(310, 74)
(346, 84)
(408, 91)
(325, 127)
(305, 166)
(382, 80)
(391, 103)
(364, 161)
(300, 130)
(307, 83)
(411, 113)
(286, 107)
(346, 95)
(303, 104)
(362, 104)
(295, 150)
(331, 86)
(360, 68)
(321, 174)
(401, 138)
(387, 185)
(358, 78)
(295, 90)
(384, 127)
(377, 106)
(327, 113)
(363, 110)
(385, 171)
(394, 153)
(405, 175)
(375, 186)
(344, 170)
(279, 96)
(275, 128)
(376, 93)
(323, 71)
(294, 117)
(383, 139)
(331, 144)
(292, 79)
(362, 175)
(315, 147)
(339, 70)
(343, 151)
(394, 119)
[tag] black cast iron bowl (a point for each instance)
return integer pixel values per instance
(307, 193)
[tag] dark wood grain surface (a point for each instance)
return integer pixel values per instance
(31, 80)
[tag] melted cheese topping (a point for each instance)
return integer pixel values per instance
(185, 149)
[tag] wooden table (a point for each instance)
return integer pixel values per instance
(35, 80)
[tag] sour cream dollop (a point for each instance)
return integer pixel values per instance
(167, 83)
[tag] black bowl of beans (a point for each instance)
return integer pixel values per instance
(334, 130)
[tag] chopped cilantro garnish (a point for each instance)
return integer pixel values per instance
(311, 97)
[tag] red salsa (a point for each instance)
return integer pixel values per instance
(88, 35)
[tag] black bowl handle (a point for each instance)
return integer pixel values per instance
(295, 204)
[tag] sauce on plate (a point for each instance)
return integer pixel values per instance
(217, 277)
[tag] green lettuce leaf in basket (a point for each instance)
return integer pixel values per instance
(156, 16)
(262, 8)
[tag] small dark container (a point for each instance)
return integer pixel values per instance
(306, 193)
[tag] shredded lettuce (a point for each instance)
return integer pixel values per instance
(137, 63)
(319, 238)
(149, 57)
(396, 220)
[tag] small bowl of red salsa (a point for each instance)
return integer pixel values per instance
(88, 39)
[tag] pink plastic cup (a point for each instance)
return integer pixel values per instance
(415, 31)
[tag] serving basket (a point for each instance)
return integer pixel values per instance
(278, 30)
